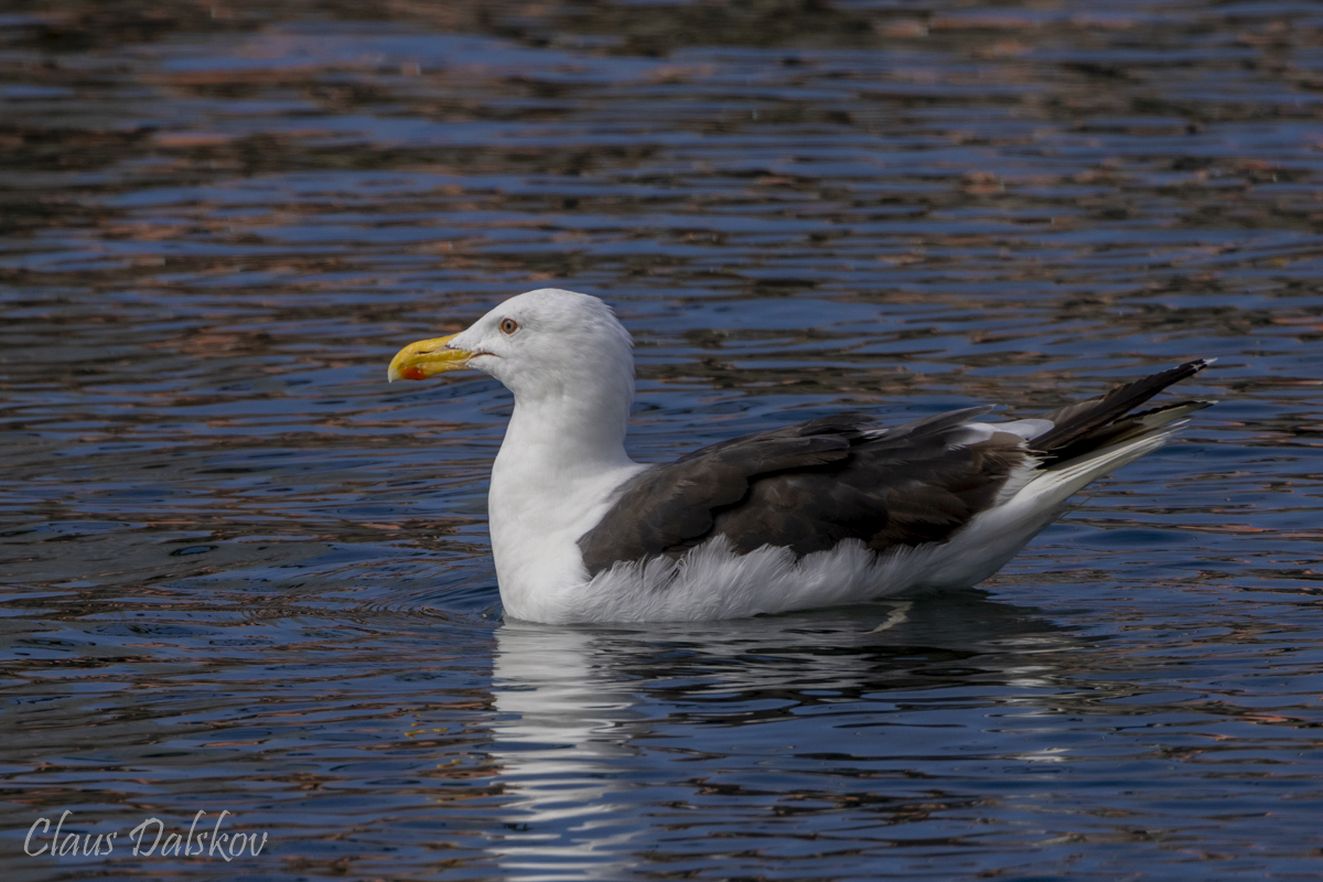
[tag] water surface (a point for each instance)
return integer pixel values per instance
(241, 573)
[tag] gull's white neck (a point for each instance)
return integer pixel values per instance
(556, 438)
(562, 456)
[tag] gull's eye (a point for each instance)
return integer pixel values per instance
(508, 326)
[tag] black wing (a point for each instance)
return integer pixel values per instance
(807, 487)
(812, 484)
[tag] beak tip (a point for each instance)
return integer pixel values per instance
(424, 358)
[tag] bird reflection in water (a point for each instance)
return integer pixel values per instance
(585, 715)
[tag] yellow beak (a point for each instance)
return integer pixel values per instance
(426, 358)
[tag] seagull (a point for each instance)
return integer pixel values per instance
(829, 511)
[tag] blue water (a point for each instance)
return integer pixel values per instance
(242, 574)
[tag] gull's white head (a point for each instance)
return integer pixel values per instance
(543, 344)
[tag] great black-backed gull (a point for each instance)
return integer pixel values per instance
(828, 511)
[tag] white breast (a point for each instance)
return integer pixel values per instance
(537, 517)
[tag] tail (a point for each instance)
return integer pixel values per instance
(1074, 446)
(1094, 438)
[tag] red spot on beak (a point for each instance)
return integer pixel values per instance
(413, 373)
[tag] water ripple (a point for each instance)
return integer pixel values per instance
(241, 573)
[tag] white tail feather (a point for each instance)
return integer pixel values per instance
(994, 537)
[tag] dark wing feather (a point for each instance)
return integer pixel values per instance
(807, 487)
(813, 484)
(1089, 425)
